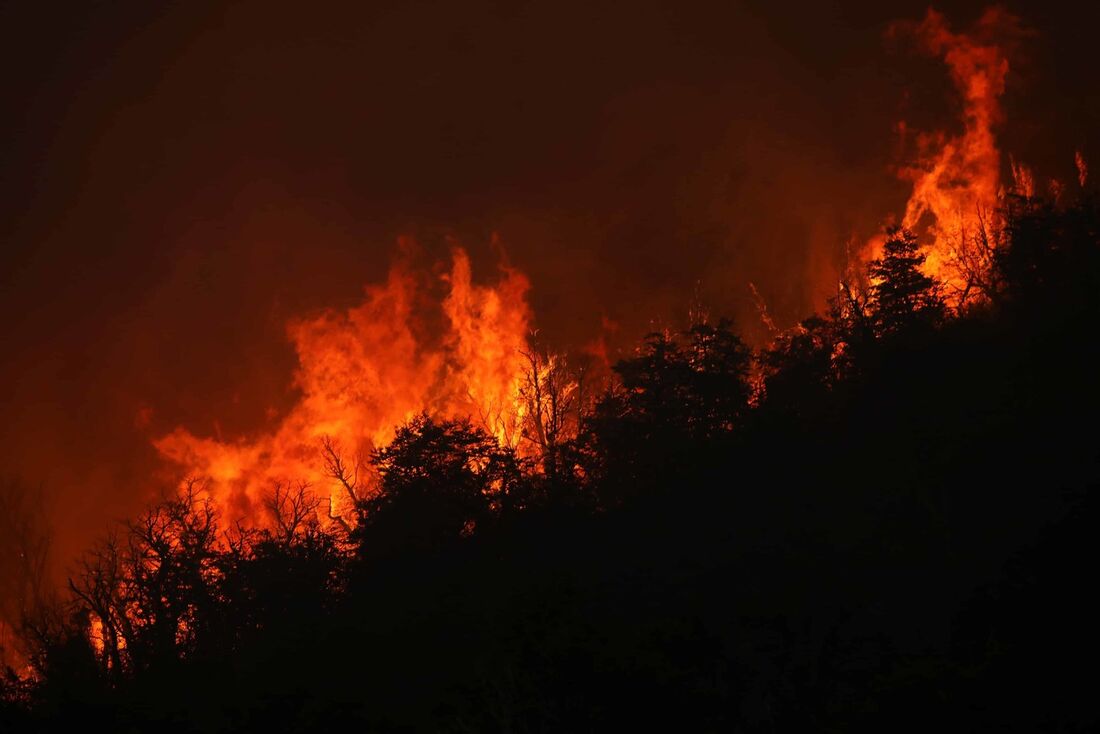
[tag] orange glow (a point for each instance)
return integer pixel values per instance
(957, 177)
(367, 369)
(96, 635)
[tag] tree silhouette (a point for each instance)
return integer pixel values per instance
(902, 296)
(1050, 257)
(801, 366)
(676, 396)
(551, 395)
(150, 589)
(717, 390)
(170, 565)
(440, 480)
(694, 385)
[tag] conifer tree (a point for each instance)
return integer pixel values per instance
(902, 296)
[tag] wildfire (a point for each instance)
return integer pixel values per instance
(367, 369)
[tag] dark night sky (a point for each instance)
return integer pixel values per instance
(179, 179)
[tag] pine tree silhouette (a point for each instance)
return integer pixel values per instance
(902, 296)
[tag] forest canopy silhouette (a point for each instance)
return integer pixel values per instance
(854, 488)
(883, 519)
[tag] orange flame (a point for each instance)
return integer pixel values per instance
(957, 178)
(365, 370)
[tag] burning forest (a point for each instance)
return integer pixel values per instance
(796, 440)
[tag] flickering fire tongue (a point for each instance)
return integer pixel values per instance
(957, 177)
